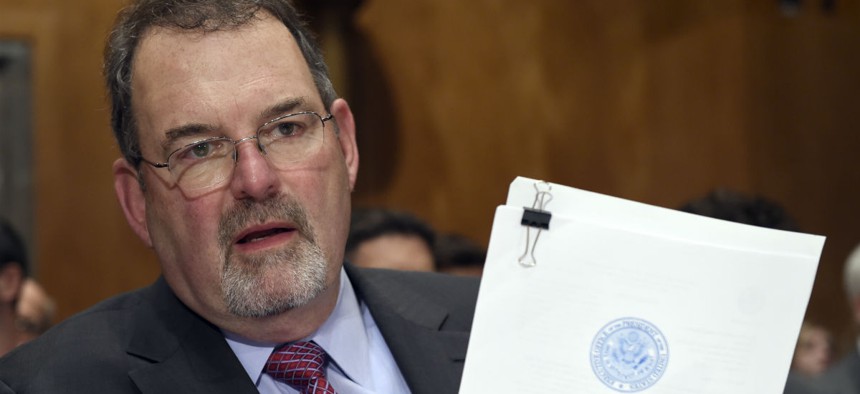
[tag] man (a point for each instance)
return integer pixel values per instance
(458, 255)
(814, 351)
(726, 204)
(844, 376)
(238, 165)
(382, 238)
(34, 312)
(13, 270)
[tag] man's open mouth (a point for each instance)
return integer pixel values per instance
(256, 236)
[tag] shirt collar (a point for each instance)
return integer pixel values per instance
(343, 336)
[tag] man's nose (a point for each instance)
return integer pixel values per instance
(253, 176)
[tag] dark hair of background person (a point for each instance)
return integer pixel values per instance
(208, 16)
(370, 223)
(736, 207)
(457, 254)
(812, 356)
(12, 247)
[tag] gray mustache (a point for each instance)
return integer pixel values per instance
(248, 212)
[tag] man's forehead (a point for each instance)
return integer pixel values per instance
(263, 46)
(176, 41)
(182, 76)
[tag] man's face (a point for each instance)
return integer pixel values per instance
(394, 251)
(267, 240)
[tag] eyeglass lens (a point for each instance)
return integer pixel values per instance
(284, 141)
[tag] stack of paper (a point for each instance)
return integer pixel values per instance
(626, 297)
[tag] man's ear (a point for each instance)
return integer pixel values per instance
(346, 136)
(130, 194)
(11, 278)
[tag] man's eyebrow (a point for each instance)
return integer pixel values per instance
(282, 108)
(194, 129)
(188, 130)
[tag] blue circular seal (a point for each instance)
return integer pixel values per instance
(629, 354)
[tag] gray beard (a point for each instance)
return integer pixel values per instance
(268, 284)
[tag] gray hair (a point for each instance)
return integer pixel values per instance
(851, 274)
(201, 15)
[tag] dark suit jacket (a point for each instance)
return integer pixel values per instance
(147, 341)
(799, 384)
(841, 378)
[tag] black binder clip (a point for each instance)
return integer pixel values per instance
(536, 217)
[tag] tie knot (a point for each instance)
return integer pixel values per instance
(301, 365)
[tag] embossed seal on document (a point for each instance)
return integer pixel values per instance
(629, 354)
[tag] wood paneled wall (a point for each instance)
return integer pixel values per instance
(656, 101)
(85, 250)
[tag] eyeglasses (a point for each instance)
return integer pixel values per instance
(285, 141)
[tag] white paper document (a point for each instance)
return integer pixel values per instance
(627, 297)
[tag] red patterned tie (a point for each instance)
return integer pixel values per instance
(302, 366)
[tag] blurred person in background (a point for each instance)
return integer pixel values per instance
(13, 270)
(737, 207)
(844, 376)
(384, 238)
(458, 255)
(814, 351)
(733, 206)
(35, 311)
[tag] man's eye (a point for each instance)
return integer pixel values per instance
(287, 129)
(201, 150)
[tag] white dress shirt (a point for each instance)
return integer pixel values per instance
(359, 359)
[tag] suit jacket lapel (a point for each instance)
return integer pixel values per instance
(430, 360)
(186, 353)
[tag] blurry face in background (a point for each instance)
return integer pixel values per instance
(268, 240)
(394, 251)
(35, 311)
(814, 350)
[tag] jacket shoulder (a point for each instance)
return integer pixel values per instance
(456, 294)
(64, 358)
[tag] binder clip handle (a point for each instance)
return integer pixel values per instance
(536, 217)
